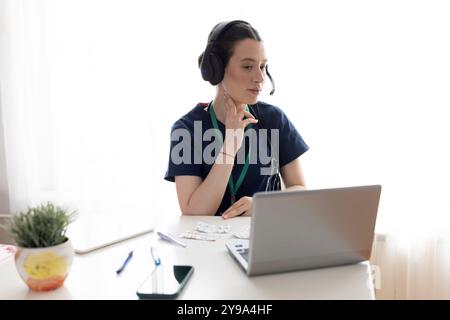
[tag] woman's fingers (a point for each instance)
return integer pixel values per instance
(248, 114)
(249, 120)
(237, 117)
(242, 114)
(236, 212)
(242, 206)
(238, 203)
(233, 207)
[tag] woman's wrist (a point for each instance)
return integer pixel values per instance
(229, 147)
(226, 156)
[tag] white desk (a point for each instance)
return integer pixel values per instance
(216, 274)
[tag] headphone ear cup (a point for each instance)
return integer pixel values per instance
(217, 68)
(205, 67)
(212, 66)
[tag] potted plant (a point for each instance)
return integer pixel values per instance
(44, 254)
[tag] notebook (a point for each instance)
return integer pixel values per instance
(98, 231)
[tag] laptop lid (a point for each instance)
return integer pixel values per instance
(294, 230)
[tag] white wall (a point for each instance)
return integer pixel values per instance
(366, 83)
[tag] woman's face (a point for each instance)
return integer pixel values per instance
(245, 73)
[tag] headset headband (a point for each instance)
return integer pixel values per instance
(221, 28)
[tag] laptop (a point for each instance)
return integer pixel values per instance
(307, 229)
(93, 232)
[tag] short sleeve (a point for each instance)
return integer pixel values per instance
(184, 157)
(292, 144)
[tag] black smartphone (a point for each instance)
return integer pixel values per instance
(165, 282)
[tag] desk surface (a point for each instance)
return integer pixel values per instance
(216, 275)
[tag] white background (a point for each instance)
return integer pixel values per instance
(94, 87)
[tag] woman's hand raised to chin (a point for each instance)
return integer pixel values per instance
(236, 120)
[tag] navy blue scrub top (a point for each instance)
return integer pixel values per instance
(291, 146)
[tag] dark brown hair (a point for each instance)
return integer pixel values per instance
(229, 38)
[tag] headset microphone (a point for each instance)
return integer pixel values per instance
(271, 80)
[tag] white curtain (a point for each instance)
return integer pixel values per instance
(91, 88)
(83, 106)
(414, 266)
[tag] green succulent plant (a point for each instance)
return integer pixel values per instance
(41, 226)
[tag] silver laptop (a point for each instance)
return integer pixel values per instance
(306, 229)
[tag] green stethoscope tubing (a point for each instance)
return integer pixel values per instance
(231, 185)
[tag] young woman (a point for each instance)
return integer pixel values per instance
(234, 61)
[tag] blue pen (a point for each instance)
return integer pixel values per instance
(156, 259)
(130, 255)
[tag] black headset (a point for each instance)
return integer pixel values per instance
(212, 66)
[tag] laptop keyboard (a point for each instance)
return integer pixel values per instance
(243, 253)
